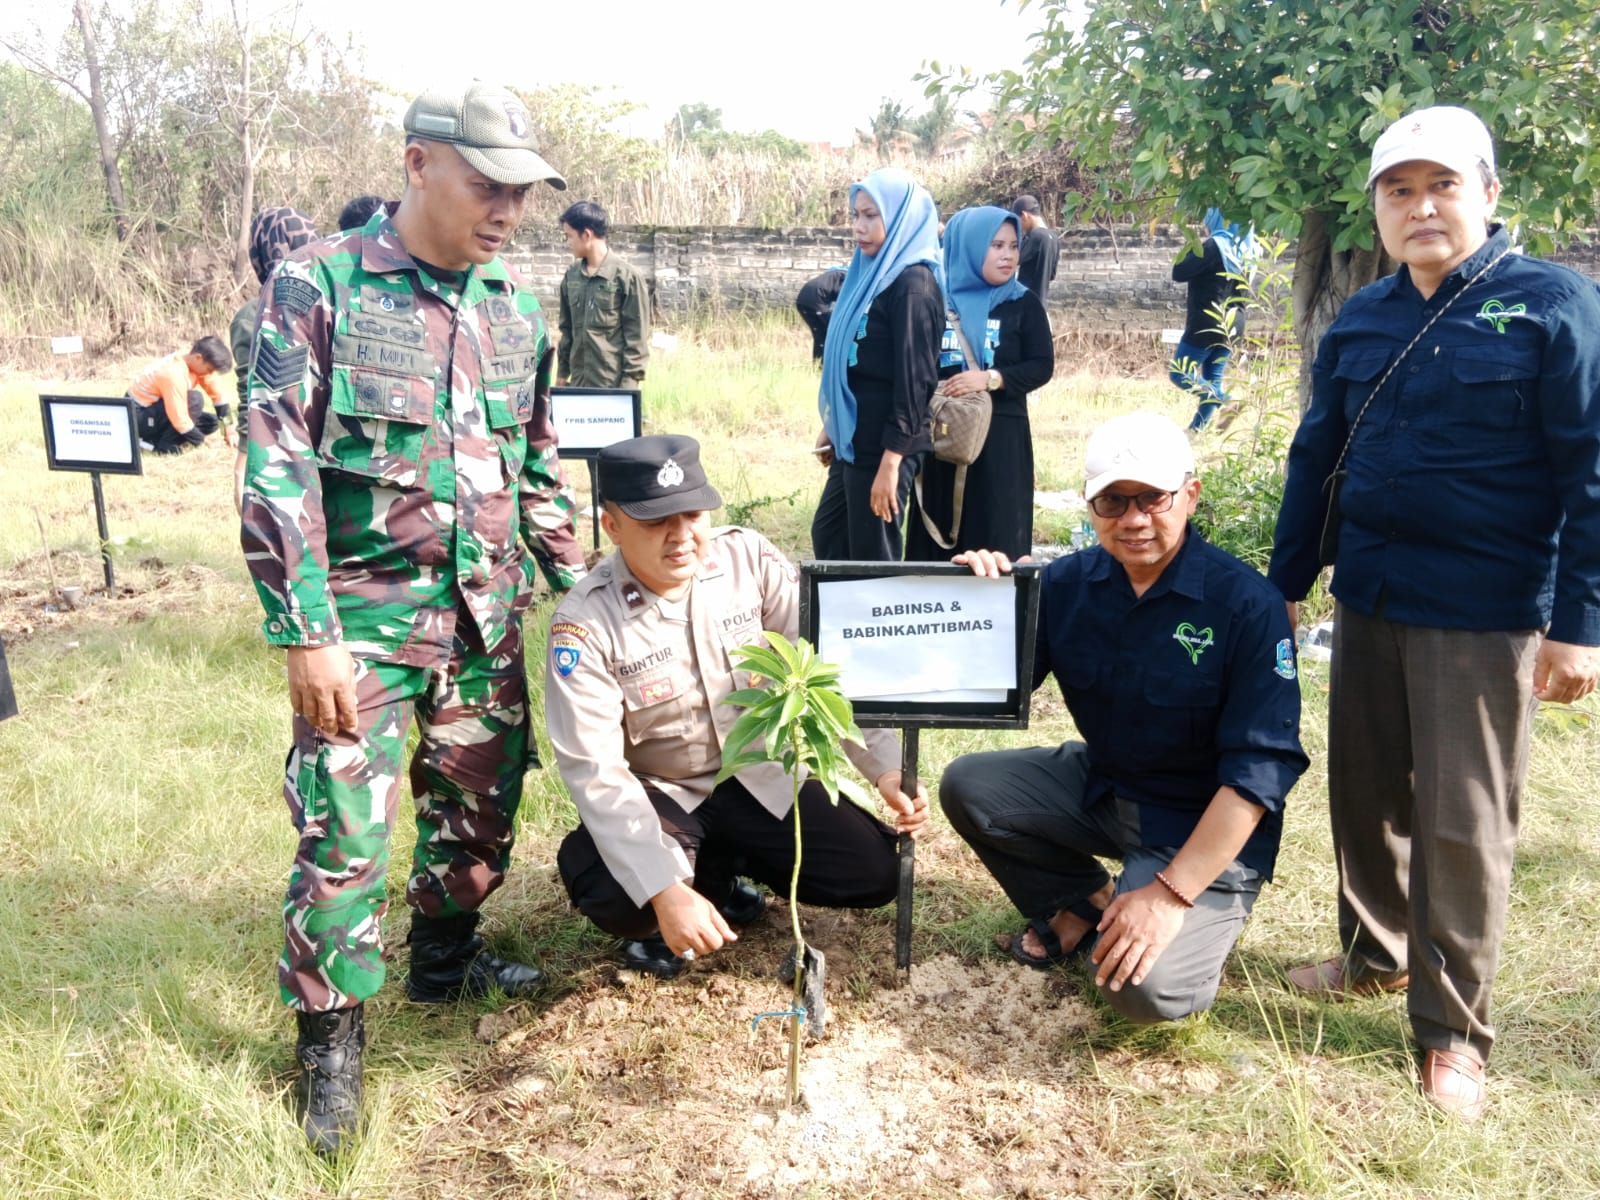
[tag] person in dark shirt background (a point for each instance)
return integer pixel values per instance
(1041, 252)
(880, 363)
(814, 302)
(1215, 318)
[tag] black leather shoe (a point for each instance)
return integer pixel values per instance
(448, 962)
(329, 1091)
(653, 957)
(741, 904)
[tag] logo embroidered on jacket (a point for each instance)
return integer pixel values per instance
(1195, 641)
(1284, 654)
(1497, 314)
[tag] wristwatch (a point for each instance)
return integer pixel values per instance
(995, 382)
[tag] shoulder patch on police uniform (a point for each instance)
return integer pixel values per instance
(279, 369)
(298, 296)
(566, 646)
(1285, 659)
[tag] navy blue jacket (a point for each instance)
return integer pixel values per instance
(1473, 495)
(1178, 692)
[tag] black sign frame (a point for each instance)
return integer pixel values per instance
(57, 463)
(1012, 713)
(558, 394)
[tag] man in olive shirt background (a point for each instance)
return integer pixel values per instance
(605, 308)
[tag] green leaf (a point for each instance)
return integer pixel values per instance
(749, 697)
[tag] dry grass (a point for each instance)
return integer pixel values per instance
(143, 1054)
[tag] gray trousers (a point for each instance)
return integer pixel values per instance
(1427, 752)
(1023, 813)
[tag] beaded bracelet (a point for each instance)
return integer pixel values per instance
(1161, 878)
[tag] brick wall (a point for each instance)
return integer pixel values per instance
(1109, 278)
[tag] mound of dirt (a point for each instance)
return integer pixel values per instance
(967, 1080)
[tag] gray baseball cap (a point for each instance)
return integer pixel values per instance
(489, 126)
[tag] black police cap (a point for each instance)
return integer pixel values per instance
(653, 477)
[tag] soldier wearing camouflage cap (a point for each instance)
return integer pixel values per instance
(401, 482)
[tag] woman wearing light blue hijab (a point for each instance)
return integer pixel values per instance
(1005, 325)
(879, 368)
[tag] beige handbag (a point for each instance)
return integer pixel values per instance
(960, 426)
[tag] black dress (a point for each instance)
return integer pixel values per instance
(997, 512)
(892, 375)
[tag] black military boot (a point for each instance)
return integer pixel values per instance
(448, 962)
(329, 1051)
(740, 902)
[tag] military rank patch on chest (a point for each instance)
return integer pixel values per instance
(632, 596)
(297, 296)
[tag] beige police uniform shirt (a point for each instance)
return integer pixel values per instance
(633, 694)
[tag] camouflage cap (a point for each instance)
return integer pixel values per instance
(489, 126)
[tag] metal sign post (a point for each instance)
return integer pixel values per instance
(96, 434)
(914, 626)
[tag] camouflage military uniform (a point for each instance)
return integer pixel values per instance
(400, 445)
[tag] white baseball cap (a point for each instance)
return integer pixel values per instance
(1141, 447)
(1444, 134)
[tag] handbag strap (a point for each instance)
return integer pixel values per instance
(1443, 308)
(961, 336)
(958, 496)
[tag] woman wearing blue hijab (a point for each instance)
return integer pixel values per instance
(879, 368)
(1006, 327)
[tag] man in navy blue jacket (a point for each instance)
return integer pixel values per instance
(1177, 664)
(1462, 397)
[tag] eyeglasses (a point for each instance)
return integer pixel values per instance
(1113, 504)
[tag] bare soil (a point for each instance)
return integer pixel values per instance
(962, 1080)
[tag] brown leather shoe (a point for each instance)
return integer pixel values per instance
(1454, 1083)
(1328, 980)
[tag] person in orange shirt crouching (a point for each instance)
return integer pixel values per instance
(171, 395)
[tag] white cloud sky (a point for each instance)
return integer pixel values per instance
(814, 72)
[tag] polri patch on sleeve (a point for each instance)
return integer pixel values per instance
(565, 651)
(1285, 657)
(298, 296)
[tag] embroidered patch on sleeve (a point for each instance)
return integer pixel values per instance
(279, 369)
(298, 296)
(566, 648)
(1285, 657)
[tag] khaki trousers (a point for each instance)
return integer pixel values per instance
(1427, 753)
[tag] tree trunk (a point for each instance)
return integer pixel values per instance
(247, 158)
(1323, 281)
(102, 126)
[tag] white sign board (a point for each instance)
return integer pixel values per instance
(90, 433)
(590, 419)
(67, 345)
(920, 637)
(1171, 337)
